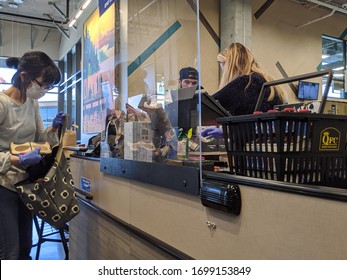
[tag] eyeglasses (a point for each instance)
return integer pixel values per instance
(48, 87)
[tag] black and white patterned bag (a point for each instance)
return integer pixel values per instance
(52, 198)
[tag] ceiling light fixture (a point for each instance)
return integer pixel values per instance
(85, 5)
(72, 22)
(18, 1)
(79, 13)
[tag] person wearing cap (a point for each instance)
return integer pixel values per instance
(189, 77)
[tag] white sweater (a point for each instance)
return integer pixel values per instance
(19, 124)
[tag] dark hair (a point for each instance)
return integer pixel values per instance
(34, 64)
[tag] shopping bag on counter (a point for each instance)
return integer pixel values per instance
(52, 198)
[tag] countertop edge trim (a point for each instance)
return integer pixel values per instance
(309, 190)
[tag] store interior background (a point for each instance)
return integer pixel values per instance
(274, 37)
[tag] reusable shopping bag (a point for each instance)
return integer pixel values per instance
(53, 197)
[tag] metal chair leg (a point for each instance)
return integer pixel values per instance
(40, 239)
(64, 241)
(44, 237)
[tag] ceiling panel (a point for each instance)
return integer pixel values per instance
(39, 12)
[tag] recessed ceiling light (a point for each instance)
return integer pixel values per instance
(18, 1)
(13, 5)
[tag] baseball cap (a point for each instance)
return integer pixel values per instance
(189, 73)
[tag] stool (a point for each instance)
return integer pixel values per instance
(45, 237)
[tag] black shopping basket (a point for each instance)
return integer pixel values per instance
(307, 148)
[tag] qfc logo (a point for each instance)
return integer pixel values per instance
(329, 139)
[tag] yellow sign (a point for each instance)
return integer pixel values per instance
(329, 139)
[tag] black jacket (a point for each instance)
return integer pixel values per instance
(240, 101)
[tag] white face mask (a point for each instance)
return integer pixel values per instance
(35, 91)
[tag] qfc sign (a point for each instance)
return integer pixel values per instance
(329, 139)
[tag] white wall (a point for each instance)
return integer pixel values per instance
(276, 36)
(18, 38)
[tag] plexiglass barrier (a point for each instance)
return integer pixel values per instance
(156, 70)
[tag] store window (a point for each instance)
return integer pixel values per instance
(70, 87)
(49, 107)
(334, 58)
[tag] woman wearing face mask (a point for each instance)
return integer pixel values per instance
(20, 122)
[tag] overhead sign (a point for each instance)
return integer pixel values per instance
(104, 5)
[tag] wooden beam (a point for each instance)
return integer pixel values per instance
(263, 8)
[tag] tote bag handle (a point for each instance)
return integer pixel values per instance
(61, 136)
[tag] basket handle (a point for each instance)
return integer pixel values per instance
(328, 72)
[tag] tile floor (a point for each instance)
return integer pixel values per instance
(49, 250)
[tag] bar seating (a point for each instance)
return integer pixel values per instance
(48, 237)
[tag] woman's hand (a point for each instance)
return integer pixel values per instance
(31, 158)
(58, 121)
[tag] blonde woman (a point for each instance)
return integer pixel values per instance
(241, 83)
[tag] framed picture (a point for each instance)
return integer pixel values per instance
(99, 48)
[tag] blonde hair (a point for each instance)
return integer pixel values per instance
(239, 61)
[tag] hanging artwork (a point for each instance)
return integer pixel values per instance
(99, 49)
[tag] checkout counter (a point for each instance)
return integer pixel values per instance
(137, 210)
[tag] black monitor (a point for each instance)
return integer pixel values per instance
(307, 90)
(183, 113)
